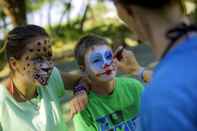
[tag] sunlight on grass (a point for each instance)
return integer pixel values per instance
(131, 42)
(190, 6)
(59, 48)
(5, 71)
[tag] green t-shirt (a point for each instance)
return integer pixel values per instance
(23, 116)
(116, 112)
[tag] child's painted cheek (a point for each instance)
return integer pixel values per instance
(97, 67)
(31, 50)
(45, 49)
(39, 46)
(42, 46)
(27, 63)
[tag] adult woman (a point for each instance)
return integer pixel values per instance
(167, 103)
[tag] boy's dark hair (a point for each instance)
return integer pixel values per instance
(17, 39)
(86, 43)
(153, 4)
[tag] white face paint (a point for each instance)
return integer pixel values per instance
(99, 63)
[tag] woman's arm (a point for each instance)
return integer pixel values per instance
(129, 65)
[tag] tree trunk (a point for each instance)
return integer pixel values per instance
(84, 18)
(16, 10)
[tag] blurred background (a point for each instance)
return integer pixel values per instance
(68, 20)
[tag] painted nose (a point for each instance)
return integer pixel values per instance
(106, 65)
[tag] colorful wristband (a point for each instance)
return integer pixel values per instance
(140, 73)
(78, 88)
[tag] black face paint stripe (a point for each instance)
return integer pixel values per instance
(44, 49)
(49, 54)
(38, 50)
(45, 41)
(27, 58)
(39, 43)
(31, 50)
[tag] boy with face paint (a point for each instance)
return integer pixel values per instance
(113, 101)
(30, 99)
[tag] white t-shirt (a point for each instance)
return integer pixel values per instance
(23, 116)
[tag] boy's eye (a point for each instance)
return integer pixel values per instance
(96, 60)
(108, 55)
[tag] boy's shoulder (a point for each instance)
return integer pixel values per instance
(127, 80)
(128, 83)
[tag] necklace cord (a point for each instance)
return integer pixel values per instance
(13, 88)
(176, 33)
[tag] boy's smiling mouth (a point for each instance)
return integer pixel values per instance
(106, 72)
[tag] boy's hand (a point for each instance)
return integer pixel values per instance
(77, 103)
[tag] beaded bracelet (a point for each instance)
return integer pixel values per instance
(140, 73)
(78, 88)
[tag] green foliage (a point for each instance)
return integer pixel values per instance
(33, 5)
(2, 14)
(70, 33)
(2, 56)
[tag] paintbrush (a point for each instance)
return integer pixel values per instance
(118, 52)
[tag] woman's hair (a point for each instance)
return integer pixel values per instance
(152, 4)
(17, 39)
(86, 43)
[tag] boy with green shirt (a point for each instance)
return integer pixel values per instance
(114, 102)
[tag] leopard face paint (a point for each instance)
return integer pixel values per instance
(37, 61)
(99, 63)
(42, 71)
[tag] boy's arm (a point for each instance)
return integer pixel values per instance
(80, 98)
(76, 104)
(71, 80)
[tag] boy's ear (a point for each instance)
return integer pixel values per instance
(83, 70)
(12, 62)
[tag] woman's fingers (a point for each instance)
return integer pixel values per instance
(128, 63)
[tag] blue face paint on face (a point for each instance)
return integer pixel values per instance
(108, 55)
(99, 63)
(100, 59)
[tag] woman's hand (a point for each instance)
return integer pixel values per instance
(128, 64)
